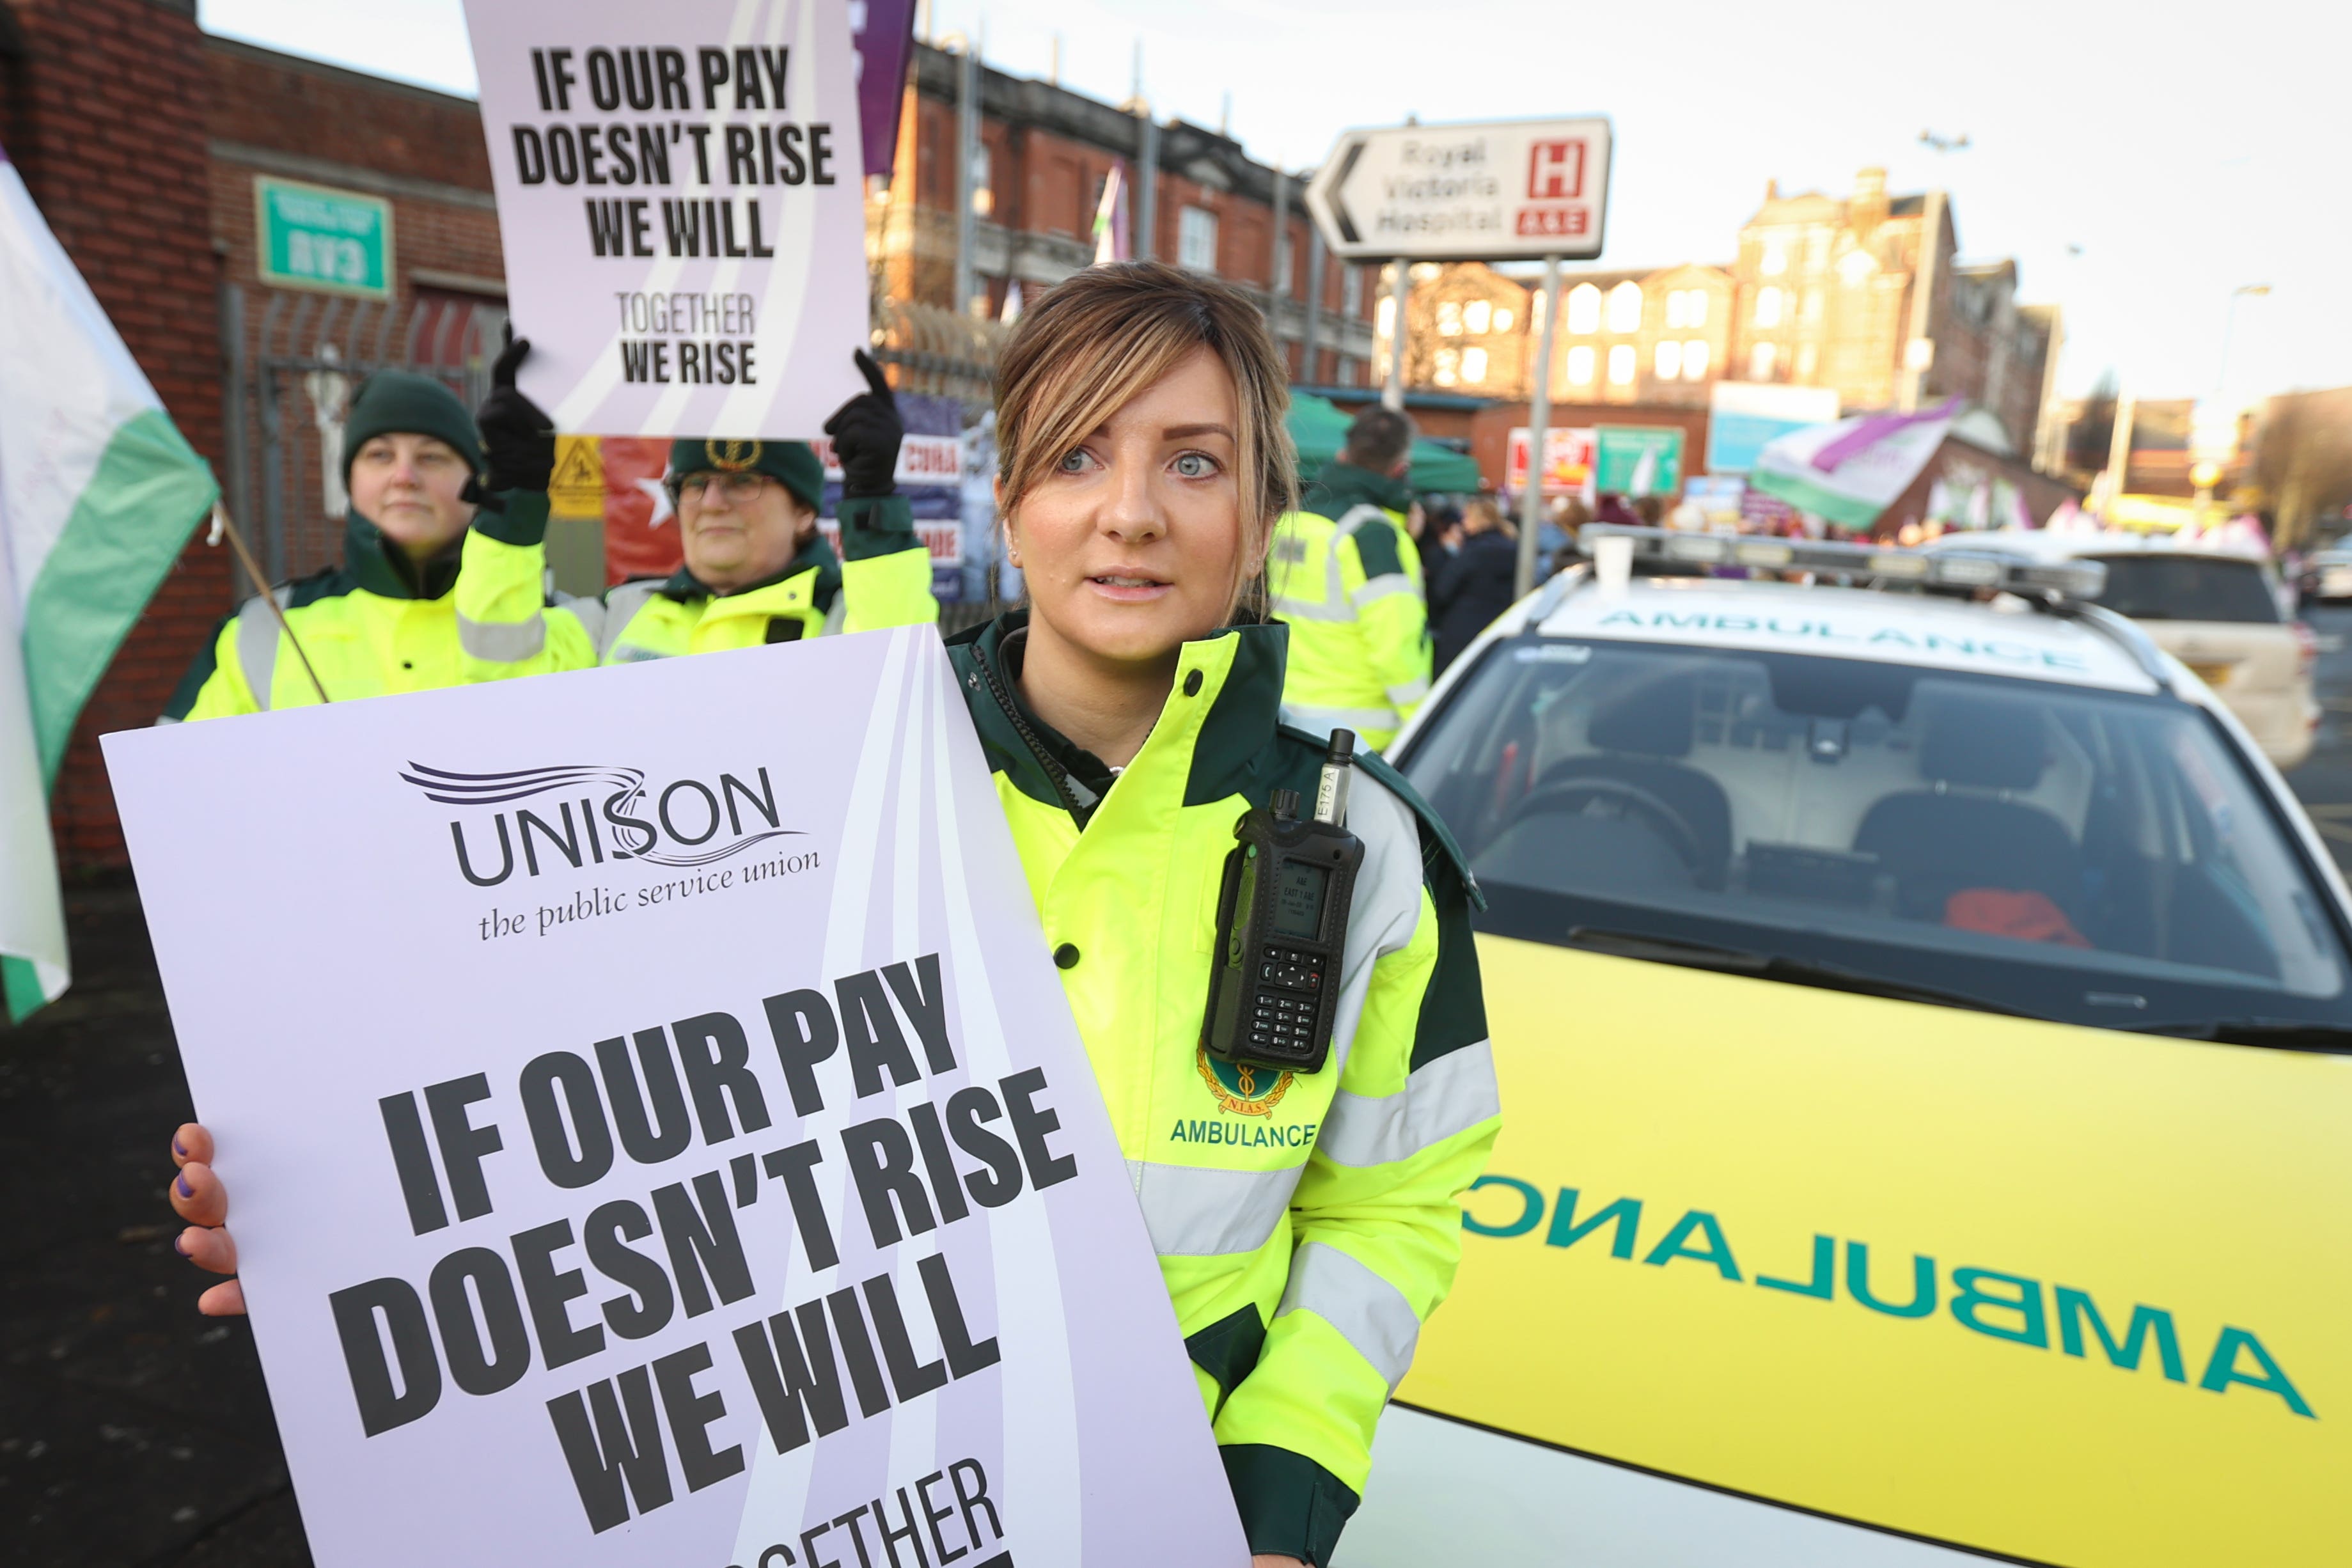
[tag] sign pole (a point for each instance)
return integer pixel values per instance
(1393, 396)
(1539, 423)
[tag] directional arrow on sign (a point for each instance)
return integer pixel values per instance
(1495, 191)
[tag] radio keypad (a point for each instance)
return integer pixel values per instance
(1288, 996)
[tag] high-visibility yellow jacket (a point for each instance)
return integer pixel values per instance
(1343, 571)
(374, 625)
(1306, 1224)
(885, 582)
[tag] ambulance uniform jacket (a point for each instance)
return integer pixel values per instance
(1343, 573)
(885, 582)
(1307, 1224)
(374, 625)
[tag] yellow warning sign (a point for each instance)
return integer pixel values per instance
(578, 487)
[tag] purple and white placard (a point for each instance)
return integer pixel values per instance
(681, 199)
(656, 1132)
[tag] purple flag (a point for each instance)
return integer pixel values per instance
(883, 33)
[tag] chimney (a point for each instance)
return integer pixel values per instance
(1867, 209)
(1772, 190)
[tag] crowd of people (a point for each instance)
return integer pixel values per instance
(1192, 630)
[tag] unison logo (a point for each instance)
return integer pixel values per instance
(586, 816)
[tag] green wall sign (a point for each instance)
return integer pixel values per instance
(1637, 459)
(310, 237)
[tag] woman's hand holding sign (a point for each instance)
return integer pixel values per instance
(200, 1199)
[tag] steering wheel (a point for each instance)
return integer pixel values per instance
(1576, 795)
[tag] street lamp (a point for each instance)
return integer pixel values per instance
(2229, 330)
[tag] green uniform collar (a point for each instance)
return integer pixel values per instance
(1233, 744)
(815, 555)
(1341, 487)
(378, 566)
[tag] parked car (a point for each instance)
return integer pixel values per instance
(2222, 613)
(1923, 1028)
(2327, 576)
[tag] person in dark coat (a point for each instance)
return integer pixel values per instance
(1474, 585)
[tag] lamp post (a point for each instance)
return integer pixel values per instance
(2208, 469)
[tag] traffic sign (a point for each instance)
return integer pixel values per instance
(314, 237)
(1493, 191)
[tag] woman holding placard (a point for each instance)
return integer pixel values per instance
(1298, 1184)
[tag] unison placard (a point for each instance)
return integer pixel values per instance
(682, 203)
(655, 1131)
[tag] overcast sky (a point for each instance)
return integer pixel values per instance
(2185, 149)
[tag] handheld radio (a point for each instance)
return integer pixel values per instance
(1282, 924)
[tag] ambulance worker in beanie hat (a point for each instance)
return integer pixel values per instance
(1131, 718)
(756, 568)
(420, 476)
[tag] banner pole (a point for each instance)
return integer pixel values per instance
(223, 524)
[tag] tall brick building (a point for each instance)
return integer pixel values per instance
(1822, 291)
(1045, 152)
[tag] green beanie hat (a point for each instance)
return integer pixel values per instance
(791, 464)
(402, 402)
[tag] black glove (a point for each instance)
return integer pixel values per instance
(866, 433)
(518, 440)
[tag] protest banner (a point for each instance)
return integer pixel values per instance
(681, 201)
(655, 1131)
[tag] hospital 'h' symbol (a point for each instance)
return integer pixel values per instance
(1555, 170)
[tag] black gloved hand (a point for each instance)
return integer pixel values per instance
(517, 439)
(866, 433)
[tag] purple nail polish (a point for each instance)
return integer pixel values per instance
(179, 1246)
(185, 1191)
(182, 1153)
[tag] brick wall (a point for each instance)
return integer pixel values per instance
(105, 113)
(266, 100)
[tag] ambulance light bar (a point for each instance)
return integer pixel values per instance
(1959, 567)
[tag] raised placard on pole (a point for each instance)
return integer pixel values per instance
(681, 199)
(1492, 191)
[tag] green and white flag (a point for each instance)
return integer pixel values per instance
(97, 494)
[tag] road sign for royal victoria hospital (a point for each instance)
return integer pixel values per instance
(681, 197)
(1502, 190)
(659, 1141)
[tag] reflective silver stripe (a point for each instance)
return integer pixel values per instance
(1290, 609)
(256, 644)
(1362, 512)
(587, 610)
(1410, 692)
(1380, 587)
(835, 616)
(1192, 1212)
(1447, 1098)
(502, 642)
(1370, 1315)
(621, 607)
(1327, 719)
(162, 719)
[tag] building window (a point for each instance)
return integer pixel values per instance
(1761, 359)
(983, 180)
(1384, 315)
(1812, 312)
(1448, 367)
(1579, 365)
(1474, 364)
(1352, 290)
(1817, 249)
(1854, 266)
(1768, 306)
(1196, 239)
(1687, 308)
(1621, 365)
(1669, 362)
(1775, 259)
(1503, 320)
(1281, 266)
(1625, 308)
(1695, 357)
(1449, 318)
(1584, 309)
(1477, 316)
(1809, 359)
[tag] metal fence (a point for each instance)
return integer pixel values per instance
(293, 362)
(295, 359)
